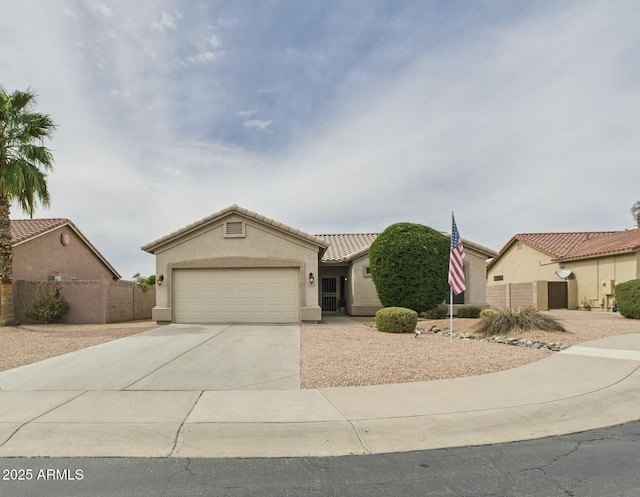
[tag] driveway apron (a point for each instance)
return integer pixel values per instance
(174, 357)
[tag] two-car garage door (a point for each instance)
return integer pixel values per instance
(242, 295)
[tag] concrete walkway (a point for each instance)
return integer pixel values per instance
(594, 385)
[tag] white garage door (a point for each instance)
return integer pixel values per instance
(251, 295)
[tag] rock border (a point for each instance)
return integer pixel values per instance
(505, 340)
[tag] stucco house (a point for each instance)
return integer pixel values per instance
(563, 270)
(55, 250)
(239, 266)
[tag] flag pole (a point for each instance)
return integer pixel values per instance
(451, 294)
(450, 314)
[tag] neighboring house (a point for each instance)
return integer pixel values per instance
(563, 270)
(55, 250)
(239, 266)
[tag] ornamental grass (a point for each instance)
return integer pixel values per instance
(505, 321)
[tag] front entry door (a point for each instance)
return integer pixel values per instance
(329, 295)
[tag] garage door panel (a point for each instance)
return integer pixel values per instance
(260, 295)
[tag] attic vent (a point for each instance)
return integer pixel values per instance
(234, 229)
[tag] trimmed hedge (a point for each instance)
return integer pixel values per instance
(396, 320)
(469, 311)
(628, 298)
(441, 311)
(409, 266)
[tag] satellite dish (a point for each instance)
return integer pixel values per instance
(564, 273)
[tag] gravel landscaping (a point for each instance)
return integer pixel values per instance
(354, 355)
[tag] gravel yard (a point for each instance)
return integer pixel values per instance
(346, 356)
(358, 356)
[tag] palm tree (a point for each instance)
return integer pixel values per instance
(635, 212)
(24, 162)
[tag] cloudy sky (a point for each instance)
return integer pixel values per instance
(332, 116)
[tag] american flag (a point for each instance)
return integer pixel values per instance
(456, 261)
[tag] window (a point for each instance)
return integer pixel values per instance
(498, 277)
(367, 271)
(234, 229)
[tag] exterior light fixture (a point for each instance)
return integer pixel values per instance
(160, 279)
(311, 279)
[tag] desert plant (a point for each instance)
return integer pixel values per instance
(486, 312)
(409, 265)
(48, 306)
(505, 321)
(469, 311)
(441, 311)
(396, 320)
(628, 299)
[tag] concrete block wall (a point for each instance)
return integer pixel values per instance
(91, 301)
(518, 295)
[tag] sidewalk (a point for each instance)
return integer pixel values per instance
(593, 385)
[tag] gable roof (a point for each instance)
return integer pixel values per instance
(24, 230)
(216, 216)
(579, 245)
(347, 247)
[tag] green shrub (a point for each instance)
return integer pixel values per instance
(396, 320)
(486, 312)
(48, 306)
(409, 266)
(441, 311)
(628, 298)
(506, 321)
(469, 311)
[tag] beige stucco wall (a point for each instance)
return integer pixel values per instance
(522, 263)
(592, 279)
(363, 300)
(261, 246)
(45, 255)
(476, 278)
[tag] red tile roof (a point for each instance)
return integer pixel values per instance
(24, 229)
(582, 244)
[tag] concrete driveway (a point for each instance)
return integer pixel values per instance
(174, 358)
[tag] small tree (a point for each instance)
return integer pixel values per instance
(409, 265)
(145, 282)
(635, 212)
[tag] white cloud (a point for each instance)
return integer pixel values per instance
(167, 21)
(258, 124)
(207, 51)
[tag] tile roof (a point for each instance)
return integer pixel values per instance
(563, 246)
(345, 247)
(152, 246)
(23, 230)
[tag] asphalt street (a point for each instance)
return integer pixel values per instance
(597, 463)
